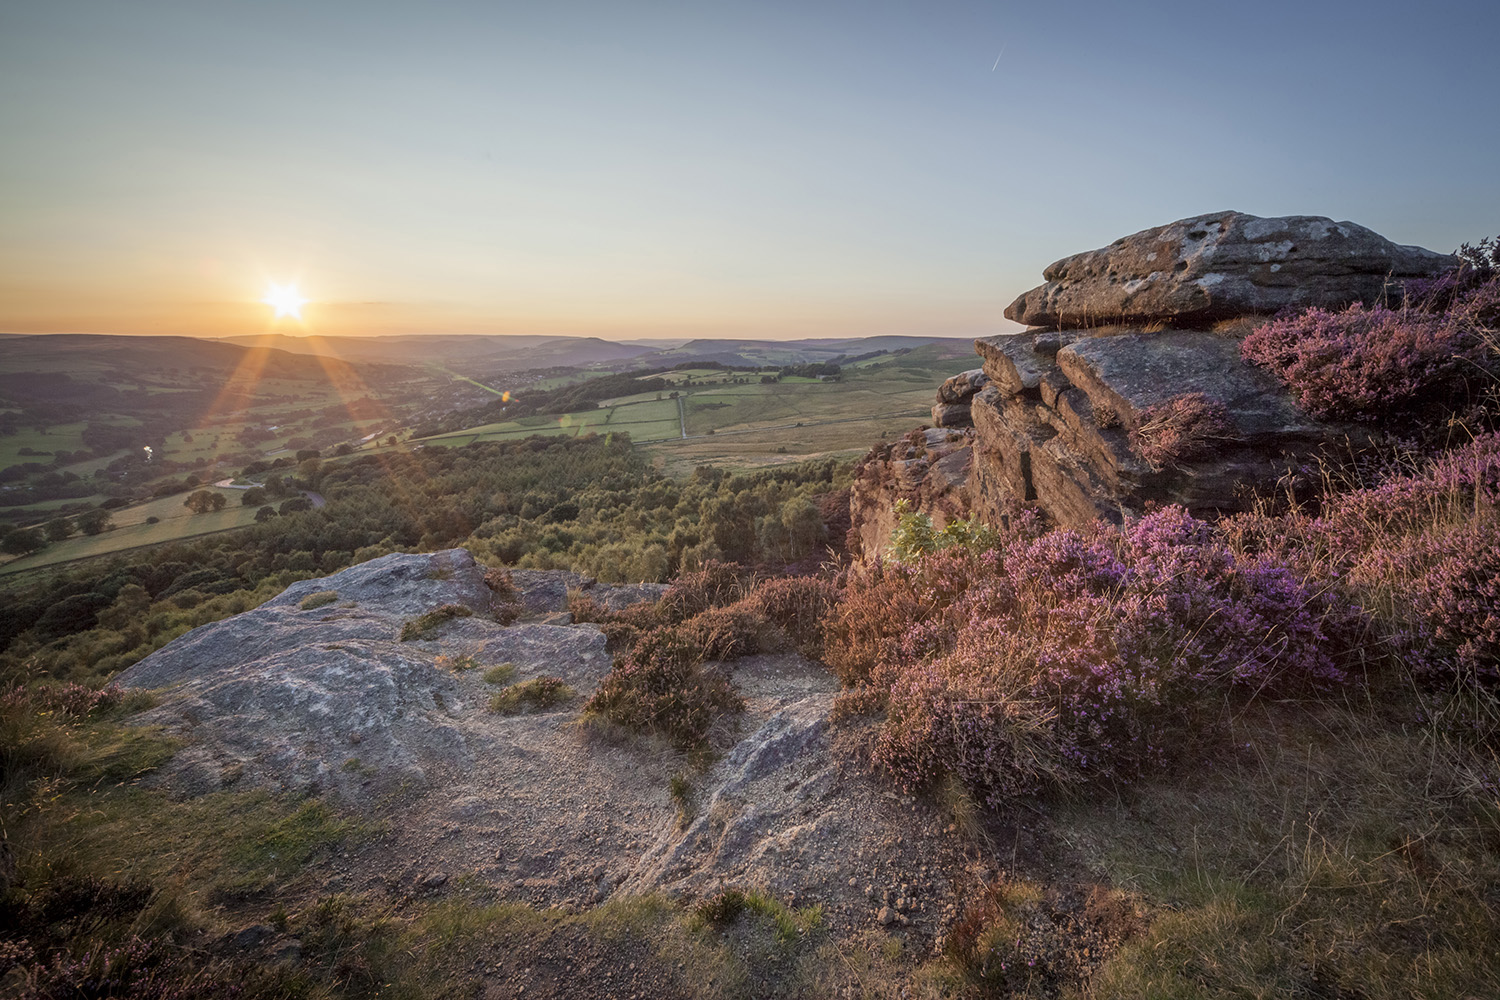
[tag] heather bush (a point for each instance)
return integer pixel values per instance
(889, 615)
(1420, 550)
(732, 632)
(715, 585)
(77, 699)
(1370, 363)
(1074, 654)
(661, 686)
(799, 606)
(1182, 429)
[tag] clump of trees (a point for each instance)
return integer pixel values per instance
(590, 504)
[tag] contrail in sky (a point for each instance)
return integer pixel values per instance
(997, 58)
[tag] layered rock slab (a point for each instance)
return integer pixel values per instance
(1223, 265)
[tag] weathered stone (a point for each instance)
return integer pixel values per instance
(1002, 449)
(1070, 491)
(1106, 449)
(1224, 265)
(951, 414)
(1013, 364)
(330, 697)
(1128, 373)
(963, 385)
(932, 473)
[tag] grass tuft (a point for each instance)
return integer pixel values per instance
(419, 627)
(538, 694)
(318, 600)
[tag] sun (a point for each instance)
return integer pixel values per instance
(286, 300)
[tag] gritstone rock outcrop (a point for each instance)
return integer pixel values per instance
(1058, 409)
(328, 699)
(1221, 266)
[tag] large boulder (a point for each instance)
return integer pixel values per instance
(1129, 345)
(1223, 265)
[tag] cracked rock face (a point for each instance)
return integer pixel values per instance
(328, 697)
(1224, 265)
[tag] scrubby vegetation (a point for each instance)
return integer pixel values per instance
(659, 682)
(424, 624)
(588, 504)
(537, 695)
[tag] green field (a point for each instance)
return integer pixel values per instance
(646, 419)
(755, 423)
(132, 531)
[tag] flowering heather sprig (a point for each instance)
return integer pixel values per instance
(71, 699)
(1182, 429)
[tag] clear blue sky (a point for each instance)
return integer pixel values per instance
(720, 169)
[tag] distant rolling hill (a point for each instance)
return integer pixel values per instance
(789, 352)
(98, 356)
(515, 352)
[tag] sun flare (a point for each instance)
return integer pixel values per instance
(286, 300)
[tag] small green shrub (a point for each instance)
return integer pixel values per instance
(537, 695)
(417, 628)
(318, 600)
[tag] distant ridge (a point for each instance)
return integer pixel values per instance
(528, 351)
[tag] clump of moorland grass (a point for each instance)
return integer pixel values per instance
(1183, 429)
(725, 907)
(1073, 655)
(319, 599)
(681, 790)
(422, 625)
(1016, 938)
(536, 695)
